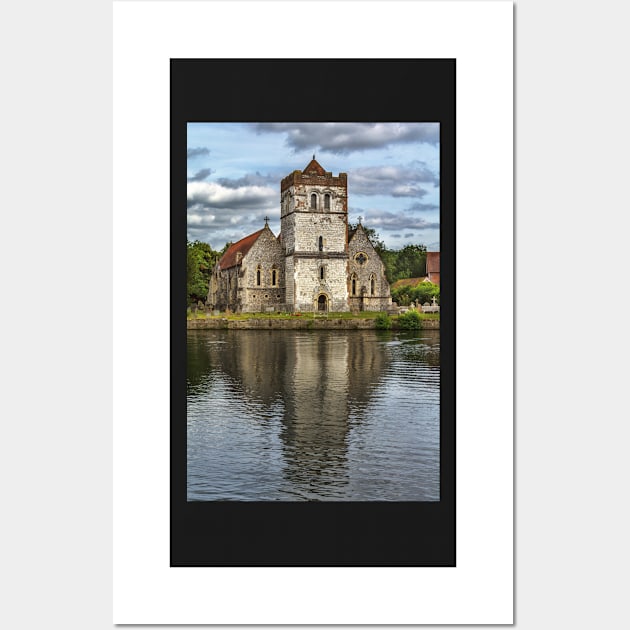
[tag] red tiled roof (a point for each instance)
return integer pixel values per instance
(243, 246)
(433, 262)
(314, 165)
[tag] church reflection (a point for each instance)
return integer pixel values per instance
(321, 381)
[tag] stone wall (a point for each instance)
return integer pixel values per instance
(372, 291)
(225, 291)
(309, 284)
(295, 323)
(309, 226)
(266, 257)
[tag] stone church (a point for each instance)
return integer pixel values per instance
(315, 264)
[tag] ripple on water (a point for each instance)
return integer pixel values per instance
(323, 416)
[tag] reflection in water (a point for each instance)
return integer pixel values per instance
(284, 415)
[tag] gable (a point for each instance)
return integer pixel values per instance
(231, 257)
(359, 241)
(266, 246)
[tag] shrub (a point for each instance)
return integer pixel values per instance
(409, 320)
(383, 321)
(425, 292)
(421, 293)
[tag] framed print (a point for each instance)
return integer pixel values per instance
(319, 136)
(353, 441)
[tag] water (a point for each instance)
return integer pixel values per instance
(313, 415)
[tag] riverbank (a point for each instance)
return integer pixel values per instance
(296, 323)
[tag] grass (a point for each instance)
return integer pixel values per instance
(310, 315)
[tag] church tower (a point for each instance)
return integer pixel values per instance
(314, 229)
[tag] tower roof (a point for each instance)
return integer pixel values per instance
(314, 167)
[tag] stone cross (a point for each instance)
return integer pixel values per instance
(434, 301)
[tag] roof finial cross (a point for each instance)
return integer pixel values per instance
(266, 220)
(313, 156)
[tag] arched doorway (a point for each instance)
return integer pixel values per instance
(322, 303)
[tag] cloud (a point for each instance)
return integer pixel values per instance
(222, 212)
(215, 195)
(201, 175)
(255, 179)
(409, 235)
(196, 152)
(343, 138)
(384, 220)
(422, 207)
(221, 226)
(398, 181)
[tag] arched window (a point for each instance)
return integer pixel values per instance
(321, 273)
(327, 201)
(320, 243)
(274, 277)
(258, 277)
(372, 283)
(314, 201)
(354, 285)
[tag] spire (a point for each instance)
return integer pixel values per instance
(314, 167)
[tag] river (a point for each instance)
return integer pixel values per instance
(313, 415)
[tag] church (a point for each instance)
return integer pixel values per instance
(316, 263)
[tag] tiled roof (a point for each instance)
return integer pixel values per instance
(408, 282)
(433, 262)
(314, 165)
(229, 259)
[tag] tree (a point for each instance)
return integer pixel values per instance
(408, 262)
(200, 259)
(421, 293)
(411, 262)
(425, 292)
(390, 260)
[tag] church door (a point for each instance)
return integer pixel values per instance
(322, 303)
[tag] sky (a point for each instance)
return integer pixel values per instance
(234, 173)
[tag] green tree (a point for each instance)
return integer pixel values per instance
(408, 262)
(425, 292)
(200, 259)
(390, 260)
(411, 262)
(421, 293)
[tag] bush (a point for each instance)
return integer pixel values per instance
(409, 320)
(425, 292)
(383, 321)
(421, 293)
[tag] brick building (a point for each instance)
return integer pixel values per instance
(315, 264)
(433, 267)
